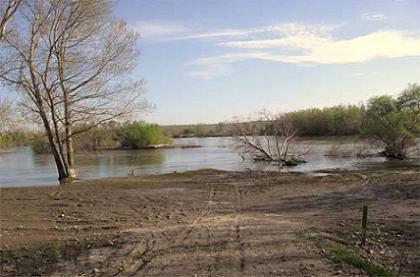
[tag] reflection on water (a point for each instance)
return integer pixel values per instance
(22, 167)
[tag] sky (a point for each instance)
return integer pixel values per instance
(208, 61)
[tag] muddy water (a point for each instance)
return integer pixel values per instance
(21, 167)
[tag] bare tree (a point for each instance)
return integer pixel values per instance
(72, 61)
(7, 9)
(267, 138)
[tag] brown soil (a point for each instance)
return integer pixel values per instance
(212, 223)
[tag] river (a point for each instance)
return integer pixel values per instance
(21, 167)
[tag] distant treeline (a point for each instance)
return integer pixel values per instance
(333, 121)
(198, 130)
(16, 139)
(342, 120)
(113, 135)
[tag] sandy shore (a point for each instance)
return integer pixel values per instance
(210, 223)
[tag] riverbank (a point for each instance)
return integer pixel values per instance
(211, 222)
(148, 147)
(25, 168)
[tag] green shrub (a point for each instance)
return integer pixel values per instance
(107, 136)
(39, 144)
(333, 121)
(395, 121)
(138, 135)
(100, 137)
(15, 139)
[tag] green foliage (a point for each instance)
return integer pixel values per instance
(107, 136)
(100, 137)
(138, 135)
(200, 130)
(220, 128)
(37, 140)
(31, 261)
(39, 144)
(333, 121)
(188, 131)
(341, 254)
(395, 121)
(14, 139)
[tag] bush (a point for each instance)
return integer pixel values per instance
(395, 122)
(15, 139)
(39, 144)
(108, 136)
(138, 135)
(101, 137)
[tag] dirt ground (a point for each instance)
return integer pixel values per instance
(215, 223)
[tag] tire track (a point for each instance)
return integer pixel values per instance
(138, 262)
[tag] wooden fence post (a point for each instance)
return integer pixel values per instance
(364, 224)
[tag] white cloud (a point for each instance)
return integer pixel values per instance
(296, 43)
(373, 16)
(285, 29)
(383, 44)
(322, 50)
(302, 41)
(228, 58)
(160, 29)
(215, 34)
(289, 35)
(212, 71)
(357, 74)
(173, 31)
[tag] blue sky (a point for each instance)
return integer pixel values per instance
(208, 61)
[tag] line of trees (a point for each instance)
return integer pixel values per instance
(393, 122)
(342, 120)
(111, 135)
(70, 62)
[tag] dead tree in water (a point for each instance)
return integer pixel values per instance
(267, 138)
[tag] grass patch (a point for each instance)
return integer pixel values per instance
(33, 261)
(341, 254)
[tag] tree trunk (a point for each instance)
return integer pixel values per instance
(70, 153)
(58, 158)
(61, 168)
(69, 140)
(67, 118)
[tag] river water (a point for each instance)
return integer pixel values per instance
(21, 167)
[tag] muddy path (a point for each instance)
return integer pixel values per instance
(212, 223)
